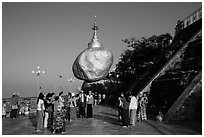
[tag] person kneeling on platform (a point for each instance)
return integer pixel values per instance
(159, 117)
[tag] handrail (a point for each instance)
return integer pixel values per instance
(190, 19)
(195, 12)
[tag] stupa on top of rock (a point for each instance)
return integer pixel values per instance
(94, 63)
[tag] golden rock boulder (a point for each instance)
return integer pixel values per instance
(93, 63)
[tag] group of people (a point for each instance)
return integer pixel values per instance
(14, 107)
(132, 109)
(54, 110)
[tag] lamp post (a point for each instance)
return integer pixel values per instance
(70, 80)
(38, 73)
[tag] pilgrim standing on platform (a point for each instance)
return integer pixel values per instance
(139, 114)
(120, 107)
(40, 112)
(51, 110)
(133, 109)
(73, 104)
(59, 117)
(144, 101)
(90, 102)
(22, 109)
(27, 109)
(82, 104)
(103, 99)
(125, 117)
(63, 111)
(14, 106)
(95, 98)
(48, 107)
(69, 95)
(4, 109)
(99, 99)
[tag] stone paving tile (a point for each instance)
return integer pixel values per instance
(104, 122)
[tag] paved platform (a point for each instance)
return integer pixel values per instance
(104, 122)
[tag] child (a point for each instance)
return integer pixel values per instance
(22, 109)
(27, 111)
(159, 117)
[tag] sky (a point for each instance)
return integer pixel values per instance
(52, 35)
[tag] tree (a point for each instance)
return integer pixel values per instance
(141, 55)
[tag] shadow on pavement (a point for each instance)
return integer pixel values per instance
(33, 120)
(156, 128)
(107, 119)
(114, 115)
(110, 106)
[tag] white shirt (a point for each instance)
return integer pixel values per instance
(82, 97)
(133, 103)
(40, 105)
(120, 102)
(89, 99)
(61, 101)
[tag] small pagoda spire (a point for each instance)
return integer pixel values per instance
(95, 28)
(94, 42)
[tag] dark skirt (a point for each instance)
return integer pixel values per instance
(68, 113)
(125, 117)
(89, 111)
(82, 110)
(50, 119)
(13, 113)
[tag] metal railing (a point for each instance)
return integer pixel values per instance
(192, 18)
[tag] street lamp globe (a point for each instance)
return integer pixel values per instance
(38, 74)
(70, 80)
